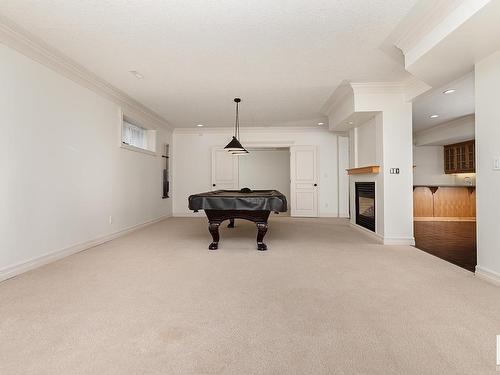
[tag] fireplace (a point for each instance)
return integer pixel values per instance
(365, 205)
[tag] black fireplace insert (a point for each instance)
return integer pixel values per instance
(365, 205)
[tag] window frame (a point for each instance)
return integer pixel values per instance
(152, 134)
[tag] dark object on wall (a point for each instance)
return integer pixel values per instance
(365, 205)
(221, 205)
(245, 190)
(166, 184)
(460, 157)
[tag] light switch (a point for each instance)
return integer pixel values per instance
(496, 164)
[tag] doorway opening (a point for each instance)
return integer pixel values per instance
(266, 168)
(289, 168)
(444, 193)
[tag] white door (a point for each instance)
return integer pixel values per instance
(304, 181)
(224, 170)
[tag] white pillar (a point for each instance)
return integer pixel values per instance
(394, 150)
(487, 76)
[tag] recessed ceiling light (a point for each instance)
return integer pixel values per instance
(449, 91)
(136, 74)
(350, 122)
(434, 116)
(321, 123)
(200, 125)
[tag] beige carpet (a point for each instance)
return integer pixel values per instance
(324, 299)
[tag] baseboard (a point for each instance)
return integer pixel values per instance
(188, 214)
(11, 271)
(328, 214)
(385, 240)
(399, 241)
(374, 235)
(488, 275)
(200, 213)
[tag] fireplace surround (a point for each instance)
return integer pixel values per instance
(365, 204)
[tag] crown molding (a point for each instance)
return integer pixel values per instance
(251, 130)
(422, 19)
(378, 87)
(338, 96)
(29, 45)
(414, 88)
(429, 22)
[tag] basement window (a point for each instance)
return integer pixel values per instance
(137, 138)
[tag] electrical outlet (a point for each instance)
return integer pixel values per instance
(111, 219)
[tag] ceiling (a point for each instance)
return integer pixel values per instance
(283, 58)
(447, 106)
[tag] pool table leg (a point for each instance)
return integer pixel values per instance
(213, 228)
(231, 223)
(261, 232)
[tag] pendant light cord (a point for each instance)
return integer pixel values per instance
(237, 123)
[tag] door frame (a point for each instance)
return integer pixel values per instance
(317, 174)
(285, 144)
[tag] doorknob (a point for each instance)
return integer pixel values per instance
(315, 184)
(213, 184)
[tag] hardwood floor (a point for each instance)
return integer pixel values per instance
(452, 241)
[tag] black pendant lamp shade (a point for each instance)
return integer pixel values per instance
(234, 146)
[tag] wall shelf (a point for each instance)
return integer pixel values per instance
(370, 169)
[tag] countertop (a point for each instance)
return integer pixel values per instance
(444, 185)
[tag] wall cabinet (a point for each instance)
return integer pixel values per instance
(460, 158)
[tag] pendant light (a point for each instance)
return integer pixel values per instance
(235, 147)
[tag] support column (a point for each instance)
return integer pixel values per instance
(487, 91)
(393, 122)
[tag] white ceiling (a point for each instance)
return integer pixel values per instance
(447, 106)
(284, 58)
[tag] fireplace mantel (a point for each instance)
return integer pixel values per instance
(370, 169)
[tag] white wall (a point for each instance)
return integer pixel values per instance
(192, 155)
(393, 149)
(376, 124)
(366, 144)
(343, 161)
(458, 130)
(429, 168)
(487, 76)
(266, 169)
(62, 170)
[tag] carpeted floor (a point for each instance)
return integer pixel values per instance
(324, 299)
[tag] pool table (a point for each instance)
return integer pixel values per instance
(252, 205)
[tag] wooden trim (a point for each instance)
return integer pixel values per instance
(371, 169)
(441, 218)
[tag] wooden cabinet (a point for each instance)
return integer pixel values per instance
(460, 158)
(432, 203)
